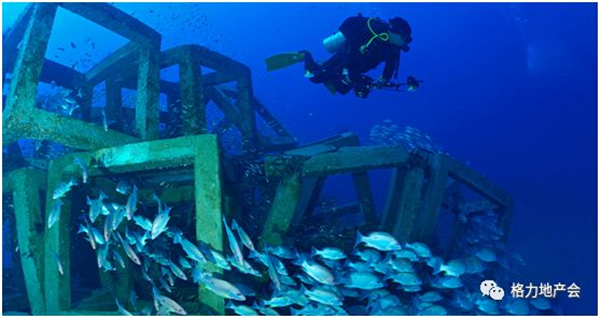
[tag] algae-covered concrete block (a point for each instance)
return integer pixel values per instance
(192, 94)
(200, 151)
(146, 107)
(28, 67)
(409, 204)
(354, 159)
(282, 210)
(209, 214)
(433, 194)
(25, 185)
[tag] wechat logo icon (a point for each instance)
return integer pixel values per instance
(491, 289)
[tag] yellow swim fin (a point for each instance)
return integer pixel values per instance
(282, 60)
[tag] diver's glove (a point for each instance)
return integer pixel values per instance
(381, 82)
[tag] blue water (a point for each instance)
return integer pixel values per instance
(511, 89)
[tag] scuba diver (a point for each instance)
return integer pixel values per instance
(361, 44)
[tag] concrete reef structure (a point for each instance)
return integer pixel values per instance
(416, 192)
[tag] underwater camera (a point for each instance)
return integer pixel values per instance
(412, 83)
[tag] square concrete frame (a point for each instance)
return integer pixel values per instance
(299, 190)
(415, 193)
(25, 185)
(196, 89)
(199, 151)
(21, 119)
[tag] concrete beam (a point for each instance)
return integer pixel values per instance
(230, 110)
(410, 199)
(347, 139)
(392, 205)
(355, 159)
(193, 109)
(209, 213)
(362, 186)
(146, 107)
(219, 62)
(57, 240)
(121, 63)
(282, 211)
(114, 103)
(437, 174)
(26, 185)
(309, 195)
(14, 36)
(217, 78)
(41, 125)
(244, 105)
(113, 19)
(273, 122)
(476, 182)
(29, 62)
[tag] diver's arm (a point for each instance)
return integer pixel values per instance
(391, 65)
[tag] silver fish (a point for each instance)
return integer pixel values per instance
(379, 240)
(267, 311)
(282, 252)
(63, 188)
(177, 271)
(369, 255)
(244, 267)
(172, 305)
(123, 187)
(118, 217)
(243, 236)
(96, 206)
(363, 280)
(487, 255)
(164, 285)
(159, 225)
(84, 171)
(131, 206)
(129, 251)
(122, 310)
(272, 272)
(233, 245)
(84, 229)
(446, 282)
(220, 260)
(431, 297)
(279, 301)
(119, 259)
(55, 212)
(318, 272)
(220, 287)
(331, 253)
(104, 120)
(189, 248)
(108, 226)
(58, 263)
(143, 222)
(421, 249)
(323, 296)
(241, 310)
(406, 279)
(433, 310)
(103, 259)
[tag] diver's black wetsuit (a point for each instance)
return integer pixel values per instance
(350, 57)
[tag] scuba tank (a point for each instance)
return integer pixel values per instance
(334, 42)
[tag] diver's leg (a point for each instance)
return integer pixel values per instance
(326, 71)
